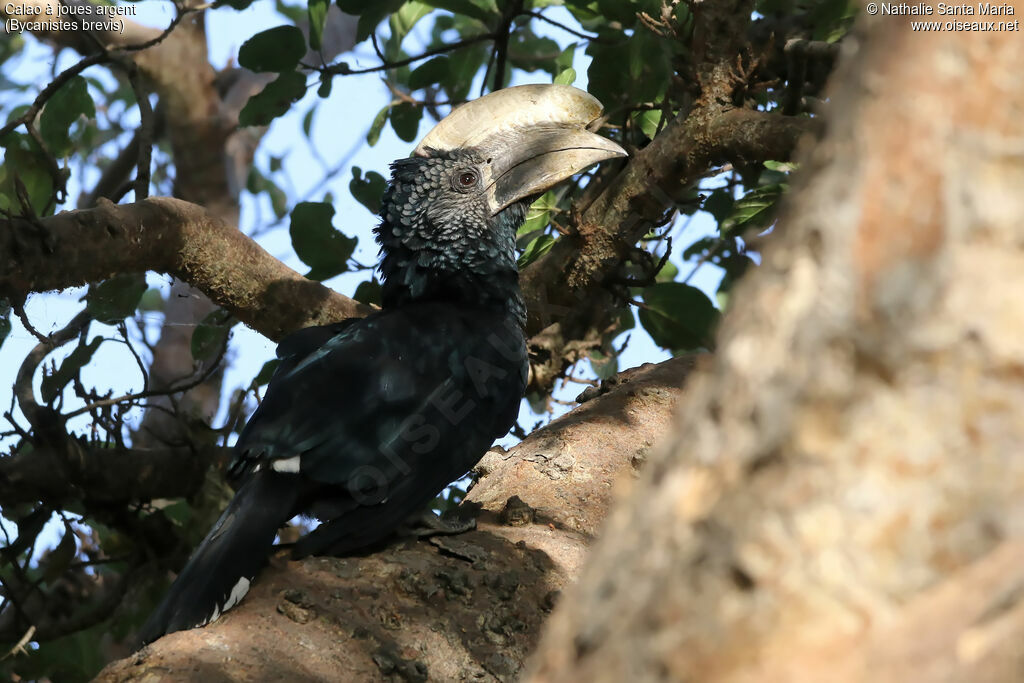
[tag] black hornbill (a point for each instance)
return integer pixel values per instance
(366, 420)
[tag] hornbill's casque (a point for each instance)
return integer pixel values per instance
(366, 420)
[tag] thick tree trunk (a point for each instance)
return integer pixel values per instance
(843, 497)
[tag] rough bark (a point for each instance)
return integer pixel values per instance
(843, 495)
(466, 607)
(169, 236)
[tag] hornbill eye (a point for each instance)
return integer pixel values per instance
(466, 179)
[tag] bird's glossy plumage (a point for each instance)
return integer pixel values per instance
(366, 420)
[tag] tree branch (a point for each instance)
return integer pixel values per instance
(641, 192)
(175, 237)
(460, 607)
(98, 475)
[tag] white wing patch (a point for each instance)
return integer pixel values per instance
(286, 465)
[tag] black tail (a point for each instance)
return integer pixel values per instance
(218, 574)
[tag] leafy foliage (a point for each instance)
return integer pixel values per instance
(70, 102)
(211, 335)
(277, 49)
(115, 299)
(679, 317)
(325, 250)
(274, 100)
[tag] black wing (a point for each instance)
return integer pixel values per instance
(387, 412)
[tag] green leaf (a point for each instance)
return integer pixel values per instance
(307, 122)
(719, 204)
(325, 250)
(257, 183)
(211, 335)
(63, 109)
(370, 13)
(781, 166)
(428, 73)
(539, 215)
(405, 119)
(566, 77)
(831, 19)
(648, 121)
(57, 561)
(624, 71)
(274, 100)
(115, 299)
(481, 10)
(368, 292)
(326, 82)
(179, 512)
(668, 272)
(603, 366)
(566, 59)
(464, 65)
(701, 247)
(755, 210)
(368, 190)
(31, 169)
(617, 10)
(5, 320)
(51, 385)
(266, 372)
(405, 18)
(679, 317)
(530, 52)
(536, 249)
(276, 49)
(294, 13)
(152, 300)
(317, 17)
(373, 135)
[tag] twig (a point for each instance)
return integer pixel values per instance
(19, 310)
(23, 381)
(19, 647)
(704, 259)
(196, 381)
(75, 69)
(145, 134)
(49, 90)
(376, 47)
(501, 43)
(60, 178)
(343, 69)
(122, 329)
(585, 36)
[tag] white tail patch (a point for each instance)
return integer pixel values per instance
(236, 594)
(287, 465)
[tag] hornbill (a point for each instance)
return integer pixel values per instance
(366, 420)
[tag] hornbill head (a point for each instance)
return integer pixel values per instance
(456, 203)
(528, 138)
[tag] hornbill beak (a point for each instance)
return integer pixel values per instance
(531, 137)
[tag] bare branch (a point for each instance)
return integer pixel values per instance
(175, 237)
(343, 69)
